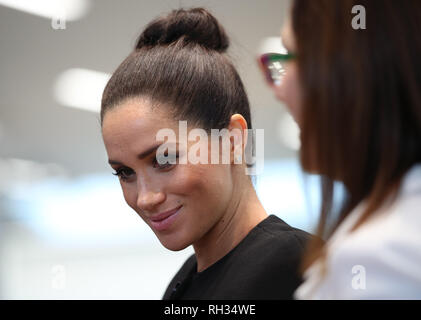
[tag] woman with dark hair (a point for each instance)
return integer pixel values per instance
(178, 72)
(356, 96)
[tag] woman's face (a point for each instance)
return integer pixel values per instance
(180, 202)
(288, 91)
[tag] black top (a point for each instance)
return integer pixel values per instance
(264, 265)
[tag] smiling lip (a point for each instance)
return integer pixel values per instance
(164, 220)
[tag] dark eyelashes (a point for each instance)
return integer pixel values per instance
(165, 165)
(124, 173)
(120, 172)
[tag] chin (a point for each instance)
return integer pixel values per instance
(174, 245)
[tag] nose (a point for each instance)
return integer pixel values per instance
(148, 198)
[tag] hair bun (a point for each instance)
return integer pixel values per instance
(193, 26)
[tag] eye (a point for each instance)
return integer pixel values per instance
(167, 162)
(123, 173)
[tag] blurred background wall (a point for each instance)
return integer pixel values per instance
(65, 230)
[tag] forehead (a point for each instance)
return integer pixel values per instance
(287, 35)
(127, 116)
(133, 124)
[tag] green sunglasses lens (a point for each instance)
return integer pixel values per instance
(273, 63)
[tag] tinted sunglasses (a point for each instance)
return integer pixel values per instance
(273, 66)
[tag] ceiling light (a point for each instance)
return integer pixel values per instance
(51, 9)
(81, 88)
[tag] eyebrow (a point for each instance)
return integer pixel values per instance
(141, 155)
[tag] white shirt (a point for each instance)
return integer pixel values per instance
(381, 259)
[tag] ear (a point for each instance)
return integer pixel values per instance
(238, 137)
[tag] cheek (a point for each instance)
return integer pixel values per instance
(201, 184)
(130, 194)
(190, 180)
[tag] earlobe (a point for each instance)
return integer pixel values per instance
(237, 146)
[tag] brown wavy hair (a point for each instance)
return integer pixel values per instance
(361, 112)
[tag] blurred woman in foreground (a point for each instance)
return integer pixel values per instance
(356, 96)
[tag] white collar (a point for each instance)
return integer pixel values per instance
(411, 183)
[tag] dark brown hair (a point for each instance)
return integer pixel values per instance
(361, 112)
(179, 62)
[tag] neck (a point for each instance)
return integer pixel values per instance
(239, 219)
